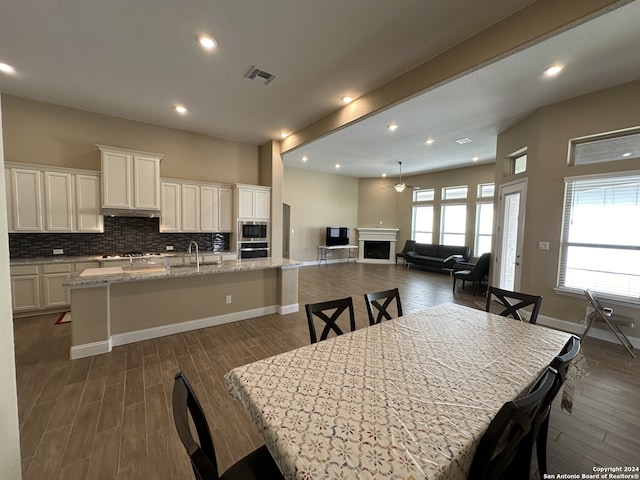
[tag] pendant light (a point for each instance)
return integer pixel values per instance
(400, 186)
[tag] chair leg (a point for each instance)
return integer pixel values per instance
(454, 285)
(541, 448)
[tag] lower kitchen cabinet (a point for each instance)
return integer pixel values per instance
(54, 293)
(25, 288)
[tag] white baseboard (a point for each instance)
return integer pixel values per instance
(285, 309)
(90, 349)
(578, 328)
(156, 332)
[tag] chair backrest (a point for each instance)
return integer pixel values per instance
(593, 300)
(382, 309)
(499, 452)
(506, 297)
(201, 452)
(318, 310)
(409, 245)
(480, 269)
(567, 354)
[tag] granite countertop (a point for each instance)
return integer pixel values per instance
(227, 266)
(98, 258)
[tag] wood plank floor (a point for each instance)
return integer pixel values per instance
(109, 416)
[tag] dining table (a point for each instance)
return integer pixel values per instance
(408, 398)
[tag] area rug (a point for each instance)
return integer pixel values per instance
(64, 318)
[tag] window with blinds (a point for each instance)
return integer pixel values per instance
(600, 246)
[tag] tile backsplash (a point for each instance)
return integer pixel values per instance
(121, 235)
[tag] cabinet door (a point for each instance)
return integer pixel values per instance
(146, 182)
(27, 200)
(88, 218)
(58, 202)
(116, 180)
(225, 209)
(9, 196)
(55, 293)
(208, 209)
(25, 292)
(170, 207)
(246, 203)
(262, 204)
(190, 208)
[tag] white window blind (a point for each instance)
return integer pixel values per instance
(601, 235)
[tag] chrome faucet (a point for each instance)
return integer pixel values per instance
(193, 242)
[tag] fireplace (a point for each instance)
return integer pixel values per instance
(376, 249)
(377, 245)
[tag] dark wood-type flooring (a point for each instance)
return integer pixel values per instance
(109, 416)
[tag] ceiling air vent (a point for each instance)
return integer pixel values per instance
(257, 72)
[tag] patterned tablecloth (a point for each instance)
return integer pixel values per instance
(405, 399)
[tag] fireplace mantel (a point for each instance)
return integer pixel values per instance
(377, 235)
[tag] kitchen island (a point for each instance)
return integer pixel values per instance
(124, 306)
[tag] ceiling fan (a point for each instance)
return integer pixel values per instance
(400, 186)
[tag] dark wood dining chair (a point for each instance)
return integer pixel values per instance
(540, 430)
(477, 274)
(606, 316)
(257, 465)
(509, 303)
(382, 310)
(505, 449)
(319, 310)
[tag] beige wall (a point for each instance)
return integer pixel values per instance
(46, 134)
(378, 202)
(546, 134)
(318, 200)
(10, 445)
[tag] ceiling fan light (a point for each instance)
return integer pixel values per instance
(399, 187)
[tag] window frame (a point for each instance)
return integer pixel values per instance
(443, 220)
(477, 233)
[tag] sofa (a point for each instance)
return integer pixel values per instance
(437, 257)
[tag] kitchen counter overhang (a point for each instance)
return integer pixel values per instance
(116, 309)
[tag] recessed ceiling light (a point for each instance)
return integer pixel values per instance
(5, 68)
(304, 159)
(206, 41)
(553, 71)
(429, 141)
(476, 158)
(464, 140)
(384, 175)
(627, 154)
(347, 99)
(337, 165)
(180, 109)
(284, 135)
(392, 127)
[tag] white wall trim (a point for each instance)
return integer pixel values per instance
(90, 349)
(285, 309)
(578, 328)
(156, 332)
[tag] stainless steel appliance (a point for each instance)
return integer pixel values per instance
(254, 249)
(252, 231)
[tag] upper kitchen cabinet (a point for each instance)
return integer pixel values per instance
(195, 207)
(252, 202)
(46, 199)
(130, 180)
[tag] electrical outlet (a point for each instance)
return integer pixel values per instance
(169, 248)
(58, 251)
(227, 299)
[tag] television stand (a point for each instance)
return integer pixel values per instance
(324, 250)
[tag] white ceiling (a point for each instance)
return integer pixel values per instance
(136, 59)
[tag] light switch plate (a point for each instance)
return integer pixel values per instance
(543, 245)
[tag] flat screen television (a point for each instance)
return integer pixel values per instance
(337, 236)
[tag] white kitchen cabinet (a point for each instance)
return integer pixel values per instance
(54, 293)
(58, 202)
(195, 207)
(225, 209)
(9, 195)
(25, 288)
(170, 207)
(190, 208)
(130, 179)
(87, 203)
(253, 202)
(26, 188)
(209, 217)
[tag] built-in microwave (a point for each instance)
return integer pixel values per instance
(252, 231)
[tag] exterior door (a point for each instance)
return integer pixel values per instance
(511, 234)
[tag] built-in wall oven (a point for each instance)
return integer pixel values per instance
(254, 249)
(252, 231)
